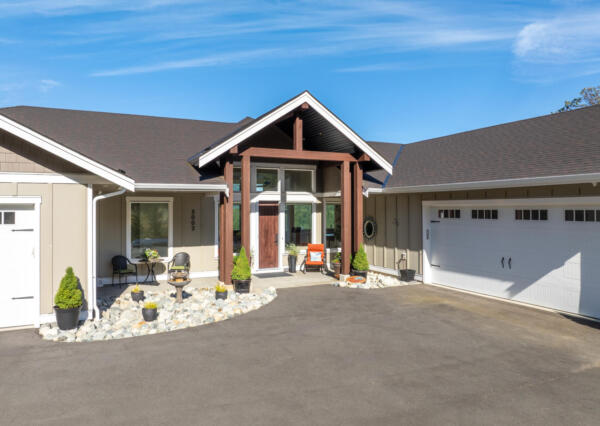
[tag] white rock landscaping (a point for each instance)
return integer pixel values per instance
(374, 280)
(122, 317)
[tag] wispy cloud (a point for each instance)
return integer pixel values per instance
(47, 85)
(207, 61)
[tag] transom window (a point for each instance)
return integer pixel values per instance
(298, 224)
(484, 214)
(149, 226)
(333, 226)
(298, 180)
(266, 180)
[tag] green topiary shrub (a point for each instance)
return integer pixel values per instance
(360, 261)
(241, 267)
(68, 295)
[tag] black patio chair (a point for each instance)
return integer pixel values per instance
(123, 267)
(180, 263)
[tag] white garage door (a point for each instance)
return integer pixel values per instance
(18, 264)
(543, 255)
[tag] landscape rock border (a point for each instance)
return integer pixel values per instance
(374, 280)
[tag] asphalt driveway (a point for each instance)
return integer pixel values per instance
(320, 355)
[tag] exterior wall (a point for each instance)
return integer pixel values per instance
(200, 243)
(17, 156)
(399, 217)
(63, 234)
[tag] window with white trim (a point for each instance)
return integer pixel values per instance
(298, 224)
(333, 225)
(149, 226)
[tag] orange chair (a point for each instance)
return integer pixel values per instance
(315, 255)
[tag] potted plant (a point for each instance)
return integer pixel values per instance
(336, 263)
(292, 256)
(407, 275)
(150, 311)
(240, 275)
(68, 301)
(150, 254)
(137, 294)
(360, 263)
(220, 292)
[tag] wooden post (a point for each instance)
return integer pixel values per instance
(222, 242)
(346, 216)
(245, 207)
(227, 240)
(357, 230)
(298, 133)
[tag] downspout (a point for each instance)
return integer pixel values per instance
(94, 247)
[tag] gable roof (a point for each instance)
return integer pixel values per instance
(140, 148)
(563, 144)
(220, 147)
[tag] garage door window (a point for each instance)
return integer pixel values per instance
(7, 218)
(526, 214)
(449, 214)
(484, 214)
(582, 215)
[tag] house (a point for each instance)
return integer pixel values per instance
(510, 211)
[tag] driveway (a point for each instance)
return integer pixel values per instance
(320, 355)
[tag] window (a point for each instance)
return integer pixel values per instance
(266, 180)
(531, 214)
(8, 218)
(578, 215)
(298, 224)
(237, 179)
(590, 216)
(582, 215)
(449, 214)
(298, 180)
(484, 214)
(149, 227)
(237, 228)
(333, 225)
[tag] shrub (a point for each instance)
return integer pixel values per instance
(360, 262)
(337, 258)
(136, 289)
(241, 267)
(292, 249)
(68, 295)
(150, 305)
(151, 254)
(220, 288)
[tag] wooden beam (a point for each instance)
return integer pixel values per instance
(227, 258)
(234, 150)
(304, 106)
(245, 207)
(357, 207)
(364, 157)
(346, 198)
(297, 155)
(298, 133)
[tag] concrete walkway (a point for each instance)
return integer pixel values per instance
(320, 355)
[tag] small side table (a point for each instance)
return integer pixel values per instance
(150, 264)
(179, 287)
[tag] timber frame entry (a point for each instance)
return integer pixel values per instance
(351, 194)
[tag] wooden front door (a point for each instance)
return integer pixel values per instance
(268, 231)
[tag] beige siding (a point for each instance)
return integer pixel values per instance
(199, 243)
(63, 234)
(399, 217)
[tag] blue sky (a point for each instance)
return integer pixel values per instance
(394, 71)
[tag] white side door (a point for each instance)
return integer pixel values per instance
(19, 262)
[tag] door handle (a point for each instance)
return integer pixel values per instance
(22, 297)
(502, 261)
(510, 263)
(22, 230)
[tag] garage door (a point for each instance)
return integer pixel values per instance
(547, 256)
(19, 263)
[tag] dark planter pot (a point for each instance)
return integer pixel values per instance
(292, 263)
(359, 273)
(149, 314)
(337, 268)
(241, 286)
(221, 295)
(67, 319)
(136, 297)
(407, 274)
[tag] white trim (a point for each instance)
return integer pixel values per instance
(390, 271)
(278, 113)
(216, 222)
(192, 187)
(492, 184)
(49, 178)
(90, 247)
(51, 318)
(103, 281)
(36, 201)
(148, 200)
(67, 154)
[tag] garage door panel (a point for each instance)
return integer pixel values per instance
(553, 263)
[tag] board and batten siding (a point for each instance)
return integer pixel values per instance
(399, 217)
